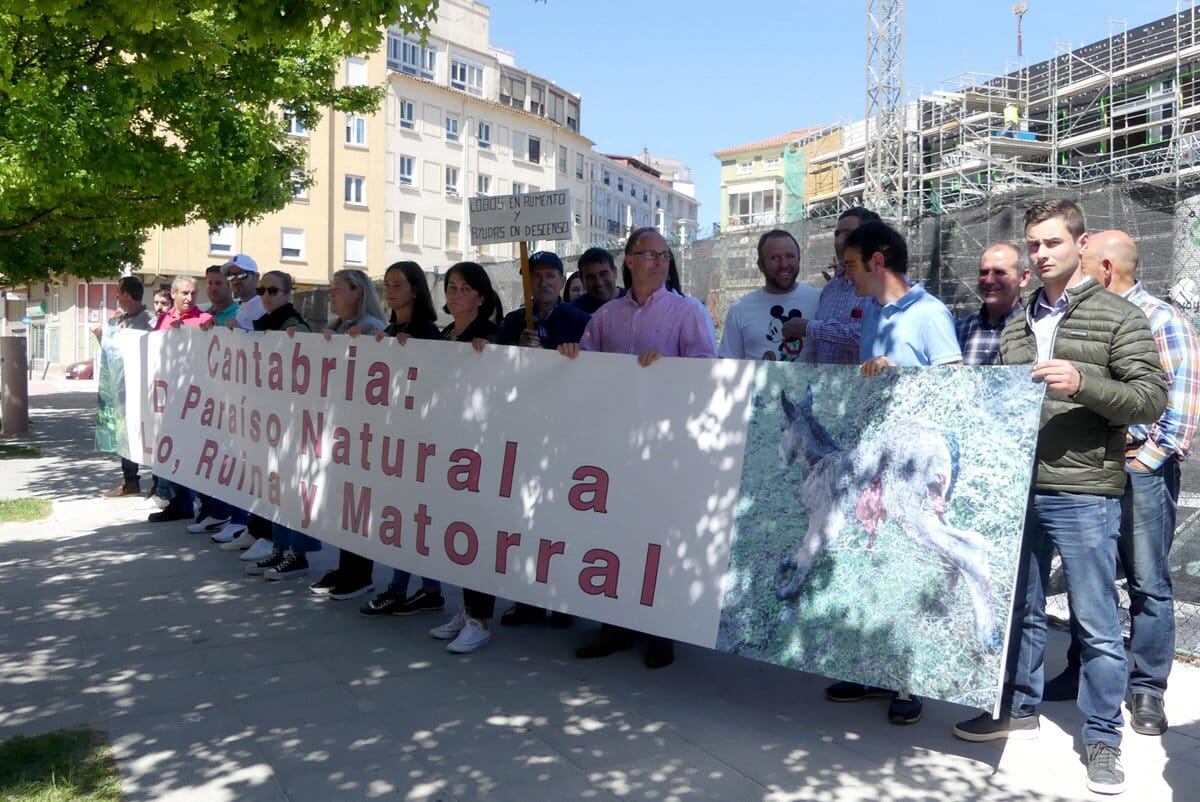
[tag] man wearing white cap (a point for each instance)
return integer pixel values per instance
(242, 274)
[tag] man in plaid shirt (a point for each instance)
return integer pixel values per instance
(1002, 276)
(837, 328)
(1152, 460)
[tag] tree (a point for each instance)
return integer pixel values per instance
(122, 115)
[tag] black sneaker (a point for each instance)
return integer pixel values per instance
(1105, 775)
(520, 614)
(168, 514)
(383, 604)
(985, 728)
(423, 601)
(294, 564)
(325, 584)
(351, 588)
(855, 692)
(904, 710)
(270, 561)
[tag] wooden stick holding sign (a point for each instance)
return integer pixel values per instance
(521, 218)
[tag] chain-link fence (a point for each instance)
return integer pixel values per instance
(944, 252)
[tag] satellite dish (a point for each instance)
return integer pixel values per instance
(1020, 8)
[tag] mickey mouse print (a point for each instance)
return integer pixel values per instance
(754, 325)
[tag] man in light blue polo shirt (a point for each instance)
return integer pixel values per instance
(904, 326)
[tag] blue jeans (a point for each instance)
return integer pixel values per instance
(285, 538)
(399, 584)
(1148, 511)
(1084, 529)
(178, 497)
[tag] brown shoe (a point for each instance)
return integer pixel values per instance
(122, 490)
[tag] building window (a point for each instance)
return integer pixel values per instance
(620, 184)
(607, 178)
(771, 164)
(407, 55)
(467, 77)
(452, 229)
(407, 114)
(356, 192)
(451, 128)
(556, 107)
(355, 249)
(299, 191)
(579, 166)
(356, 71)
(537, 99)
(744, 168)
(578, 212)
(484, 135)
(483, 184)
(431, 232)
(572, 114)
(291, 244)
(512, 90)
(407, 223)
(356, 130)
(222, 239)
(405, 166)
(562, 159)
(752, 208)
(534, 155)
(292, 124)
(451, 181)
(518, 188)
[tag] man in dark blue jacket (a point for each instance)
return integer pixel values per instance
(554, 322)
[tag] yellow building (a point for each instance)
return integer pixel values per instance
(766, 182)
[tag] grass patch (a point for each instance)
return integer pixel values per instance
(23, 509)
(63, 766)
(13, 451)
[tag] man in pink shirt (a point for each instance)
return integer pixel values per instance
(650, 322)
(183, 311)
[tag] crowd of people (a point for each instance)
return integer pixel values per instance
(1119, 366)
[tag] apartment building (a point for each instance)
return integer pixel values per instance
(767, 182)
(628, 193)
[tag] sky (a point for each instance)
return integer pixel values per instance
(684, 78)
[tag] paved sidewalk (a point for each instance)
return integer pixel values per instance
(217, 686)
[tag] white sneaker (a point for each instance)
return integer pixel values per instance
(450, 629)
(229, 533)
(243, 541)
(473, 636)
(208, 525)
(260, 550)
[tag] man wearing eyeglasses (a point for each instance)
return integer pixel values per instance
(650, 322)
(242, 273)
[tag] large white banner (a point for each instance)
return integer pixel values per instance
(863, 529)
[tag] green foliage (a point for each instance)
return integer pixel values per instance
(111, 433)
(23, 509)
(63, 766)
(881, 615)
(120, 116)
(17, 451)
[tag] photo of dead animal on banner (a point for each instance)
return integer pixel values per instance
(879, 523)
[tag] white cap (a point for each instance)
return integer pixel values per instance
(242, 261)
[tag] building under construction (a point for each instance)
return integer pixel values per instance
(1125, 108)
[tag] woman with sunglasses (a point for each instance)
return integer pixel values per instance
(356, 309)
(287, 551)
(406, 292)
(473, 303)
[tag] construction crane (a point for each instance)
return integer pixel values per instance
(883, 158)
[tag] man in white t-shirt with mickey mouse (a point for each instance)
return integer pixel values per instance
(754, 325)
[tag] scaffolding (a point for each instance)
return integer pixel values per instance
(1125, 108)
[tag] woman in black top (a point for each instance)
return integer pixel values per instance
(288, 558)
(406, 293)
(473, 303)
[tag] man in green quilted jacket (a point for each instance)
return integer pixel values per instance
(1096, 355)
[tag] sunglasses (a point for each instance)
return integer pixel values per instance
(272, 291)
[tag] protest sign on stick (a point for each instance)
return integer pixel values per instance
(522, 218)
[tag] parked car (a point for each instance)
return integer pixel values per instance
(80, 370)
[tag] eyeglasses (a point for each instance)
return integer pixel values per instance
(653, 256)
(235, 276)
(272, 291)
